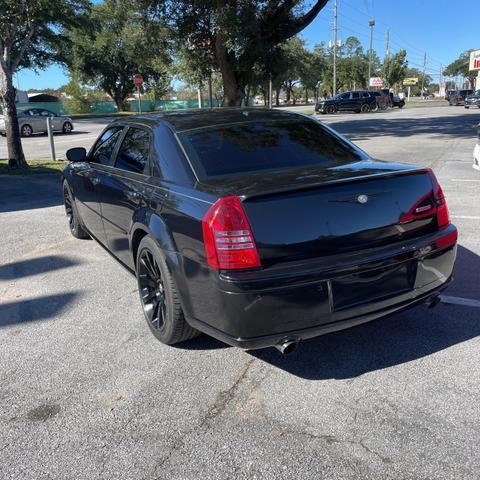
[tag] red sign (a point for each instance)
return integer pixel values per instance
(138, 80)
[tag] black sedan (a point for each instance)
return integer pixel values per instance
(258, 227)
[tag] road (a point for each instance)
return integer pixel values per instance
(86, 392)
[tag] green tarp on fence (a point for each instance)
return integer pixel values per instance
(100, 108)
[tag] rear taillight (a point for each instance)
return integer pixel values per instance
(228, 238)
(443, 217)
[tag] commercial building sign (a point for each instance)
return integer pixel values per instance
(376, 82)
(410, 81)
(475, 60)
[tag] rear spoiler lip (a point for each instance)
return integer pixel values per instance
(326, 183)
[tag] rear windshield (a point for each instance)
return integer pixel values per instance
(257, 147)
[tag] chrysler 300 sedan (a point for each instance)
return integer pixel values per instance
(258, 227)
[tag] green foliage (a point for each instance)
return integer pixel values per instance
(395, 68)
(33, 166)
(120, 42)
(36, 28)
(233, 37)
(79, 99)
(460, 67)
(31, 36)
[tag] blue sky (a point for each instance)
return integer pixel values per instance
(440, 28)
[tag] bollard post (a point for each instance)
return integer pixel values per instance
(50, 138)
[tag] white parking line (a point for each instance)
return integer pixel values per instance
(466, 217)
(474, 180)
(466, 302)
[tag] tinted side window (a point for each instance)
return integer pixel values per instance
(355, 95)
(103, 150)
(133, 154)
(345, 96)
(365, 94)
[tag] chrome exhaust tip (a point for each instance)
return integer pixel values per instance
(287, 346)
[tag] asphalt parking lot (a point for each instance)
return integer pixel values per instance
(86, 392)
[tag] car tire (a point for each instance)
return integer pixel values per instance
(159, 297)
(74, 220)
(330, 109)
(67, 128)
(365, 108)
(26, 131)
(467, 107)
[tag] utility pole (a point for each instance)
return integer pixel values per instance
(387, 51)
(440, 82)
(423, 75)
(335, 48)
(372, 24)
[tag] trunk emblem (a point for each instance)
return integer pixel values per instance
(362, 199)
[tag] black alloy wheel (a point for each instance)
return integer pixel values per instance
(330, 109)
(158, 295)
(152, 290)
(74, 222)
(365, 108)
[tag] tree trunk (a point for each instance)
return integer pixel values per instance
(233, 92)
(306, 95)
(16, 157)
(277, 97)
(119, 100)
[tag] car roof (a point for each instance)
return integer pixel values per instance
(182, 120)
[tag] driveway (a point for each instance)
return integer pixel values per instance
(86, 392)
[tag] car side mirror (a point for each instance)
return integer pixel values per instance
(77, 154)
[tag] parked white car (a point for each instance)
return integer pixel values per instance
(34, 120)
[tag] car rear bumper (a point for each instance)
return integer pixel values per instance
(256, 309)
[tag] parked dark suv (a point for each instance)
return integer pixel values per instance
(358, 101)
(473, 100)
(458, 97)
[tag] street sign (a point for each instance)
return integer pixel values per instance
(475, 60)
(376, 82)
(138, 80)
(410, 81)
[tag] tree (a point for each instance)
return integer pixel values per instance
(120, 42)
(460, 66)
(353, 64)
(394, 68)
(30, 33)
(240, 33)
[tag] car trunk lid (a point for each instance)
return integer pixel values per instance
(344, 214)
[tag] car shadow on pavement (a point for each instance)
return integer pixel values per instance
(29, 192)
(35, 309)
(406, 127)
(391, 341)
(35, 266)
